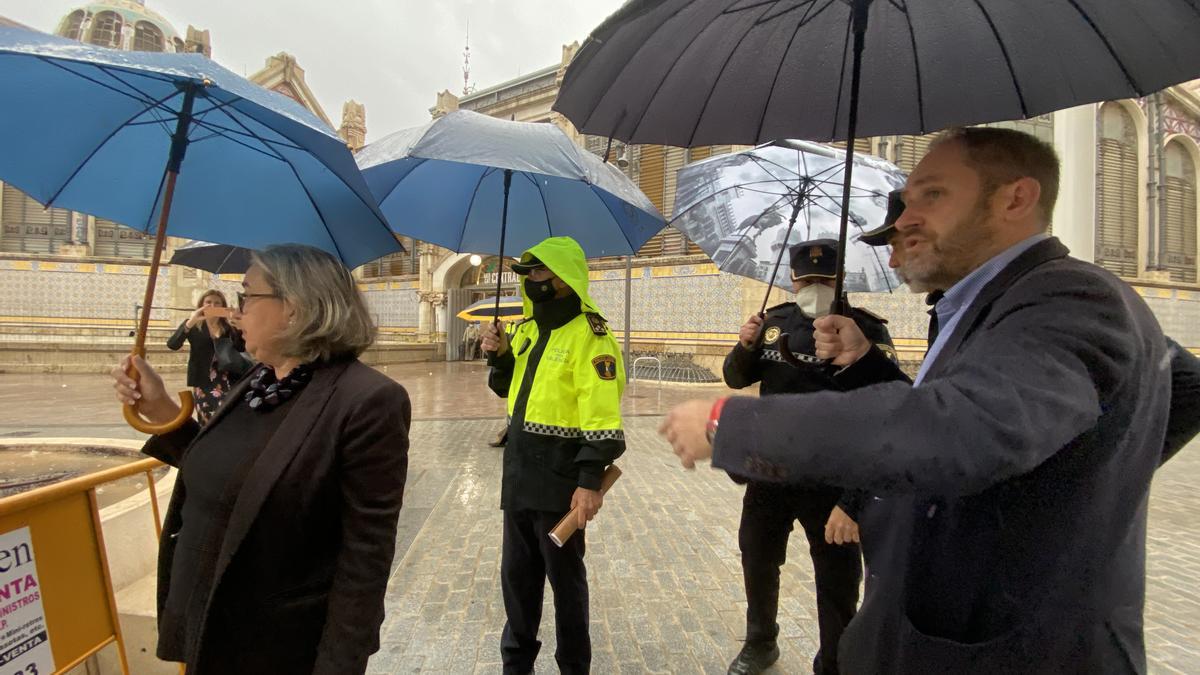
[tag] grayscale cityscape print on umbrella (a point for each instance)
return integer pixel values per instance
(738, 207)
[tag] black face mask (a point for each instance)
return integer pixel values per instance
(539, 291)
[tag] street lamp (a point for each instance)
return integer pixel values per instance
(476, 261)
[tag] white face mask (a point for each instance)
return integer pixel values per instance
(815, 299)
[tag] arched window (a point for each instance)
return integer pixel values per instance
(106, 30)
(73, 25)
(1179, 214)
(147, 37)
(1117, 192)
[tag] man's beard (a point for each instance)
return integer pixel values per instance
(952, 256)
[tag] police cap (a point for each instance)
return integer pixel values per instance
(816, 258)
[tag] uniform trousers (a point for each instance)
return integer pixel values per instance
(768, 511)
(528, 558)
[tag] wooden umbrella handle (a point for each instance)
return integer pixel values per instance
(569, 524)
(134, 419)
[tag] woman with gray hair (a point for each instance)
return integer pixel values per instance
(279, 538)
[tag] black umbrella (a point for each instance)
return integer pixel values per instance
(215, 258)
(704, 72)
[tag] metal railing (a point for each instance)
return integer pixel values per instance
(633, 369)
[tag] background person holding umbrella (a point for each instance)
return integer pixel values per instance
(827, 513)
(565, 429)
(215, 361)
(1020, 461)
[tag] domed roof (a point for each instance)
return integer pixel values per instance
(131, 11)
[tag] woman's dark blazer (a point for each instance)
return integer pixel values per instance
(311, 534)
(201, 348)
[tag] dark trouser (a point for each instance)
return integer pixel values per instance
(528, 558)
(767, 514)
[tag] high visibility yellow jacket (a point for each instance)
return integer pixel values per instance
(563, 376)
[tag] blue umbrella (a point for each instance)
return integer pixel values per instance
(91, 129)
(444, 183)
(458, 182)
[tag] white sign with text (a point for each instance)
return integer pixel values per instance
(24, 638)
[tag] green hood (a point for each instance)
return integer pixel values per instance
(564, 257)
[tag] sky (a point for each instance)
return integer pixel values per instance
(394, 56)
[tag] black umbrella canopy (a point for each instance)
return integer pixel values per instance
(706, 72)
(215, 258)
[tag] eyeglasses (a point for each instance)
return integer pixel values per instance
(241, 298)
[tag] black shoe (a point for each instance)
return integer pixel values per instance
(754, 658)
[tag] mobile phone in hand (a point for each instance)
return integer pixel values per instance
(217, 312)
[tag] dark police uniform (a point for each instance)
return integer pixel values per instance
(768, 509)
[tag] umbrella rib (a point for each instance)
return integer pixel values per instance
(373, 209)
(624, 67)
(663, 81)
(545, 207)
(218, 131)
(728, 58)
(104, 142)
(89, 78)
(837, 106)
(305, 187)
(157, 195)
(761, 161)
(462, 233)
(147, 96)
(762, 165)
(912, 38)
(1012, 73)
(882, 272)
(762, 117)
(299, 180)
(807, 217)
(617, 220)
(772, 207)
(1108, 45)
(212, 126)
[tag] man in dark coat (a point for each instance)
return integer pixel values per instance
(827, 513)
(1021, 459)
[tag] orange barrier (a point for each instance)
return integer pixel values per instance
(72, 574)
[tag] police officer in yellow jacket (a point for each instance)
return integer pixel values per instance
(562, 373)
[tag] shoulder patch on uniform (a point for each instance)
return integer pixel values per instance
(606, 366)
(598, 324)
(871, 314)
(771, 335)
(888, 351)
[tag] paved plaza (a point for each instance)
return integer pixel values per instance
(662, 555)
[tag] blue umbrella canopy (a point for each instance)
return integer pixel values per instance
(736, 207)
(444, 182)
(90, 129)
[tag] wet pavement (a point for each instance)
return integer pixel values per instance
(662, 555)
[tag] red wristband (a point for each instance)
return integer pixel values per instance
(714, 419)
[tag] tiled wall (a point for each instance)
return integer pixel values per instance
(681, 299)
(688, 299)
(393, 304)
(104, 294)
(70, 292)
